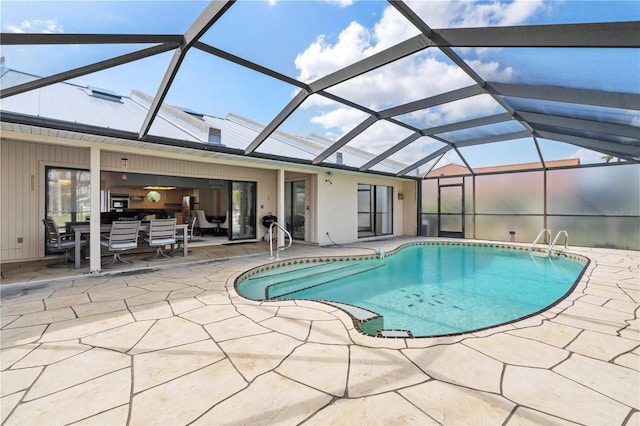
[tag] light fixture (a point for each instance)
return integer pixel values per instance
(328, 180)
(124, 162)
(158, 188)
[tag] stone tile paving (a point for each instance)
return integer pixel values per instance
(179, 346)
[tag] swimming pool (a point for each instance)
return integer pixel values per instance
(426, 289)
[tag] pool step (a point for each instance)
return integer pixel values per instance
(289, 269)
(370, 322)
(293, 285)
(293, 274)
(255, 286)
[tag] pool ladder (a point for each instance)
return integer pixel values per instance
(555, 240)
(278, 248)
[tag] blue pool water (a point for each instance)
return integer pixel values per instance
(430, 290)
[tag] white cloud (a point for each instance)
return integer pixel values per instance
(391, 29)
(341, 118)
(587, 156)
(379, 137)
(48, 26)
(341, 3)
(416, 77)
(467, 13)
(321, 58)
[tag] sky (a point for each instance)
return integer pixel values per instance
(307, 40)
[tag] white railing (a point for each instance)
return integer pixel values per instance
(555, 240)
(278, 248)
(540, 235)
(547, 253)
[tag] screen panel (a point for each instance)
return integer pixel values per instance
(516, 193)
(499, 227)
(605, 191)
(598, 231)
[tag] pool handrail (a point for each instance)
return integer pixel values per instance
(540, 234)
(555, 240)
(278, 248)
(551, 245)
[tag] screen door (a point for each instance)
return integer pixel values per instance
(451, 210)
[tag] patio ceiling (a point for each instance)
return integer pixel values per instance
(603, 121)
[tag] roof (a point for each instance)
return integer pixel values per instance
(456, 169)
(512, 85)
(106, 109)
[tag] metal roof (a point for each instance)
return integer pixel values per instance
(528, 110)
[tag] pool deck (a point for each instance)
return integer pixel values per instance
(177, 345)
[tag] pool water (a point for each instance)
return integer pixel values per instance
(431, 290)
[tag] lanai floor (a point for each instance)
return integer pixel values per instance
(174, 344)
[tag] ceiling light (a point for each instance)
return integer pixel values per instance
(159, 188)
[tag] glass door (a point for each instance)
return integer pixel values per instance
(67, 198)
(242, 211)
(451, 210)
(295, 205)
(375, 210)
(68, 195)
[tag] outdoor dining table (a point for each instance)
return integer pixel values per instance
(80, 229)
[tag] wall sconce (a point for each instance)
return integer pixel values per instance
(328, 180)
(400, 196)
(124, 162)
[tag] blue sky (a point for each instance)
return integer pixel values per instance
(309, 39)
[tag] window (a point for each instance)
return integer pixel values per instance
(375, 210)
(68, 196)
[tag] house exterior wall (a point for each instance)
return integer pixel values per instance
(332, 206)
(23, 203)
(22, 194)
(338, 208)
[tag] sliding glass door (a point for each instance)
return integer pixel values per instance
(295, 204)
(67, 195)
(375, 212)
(242, 210)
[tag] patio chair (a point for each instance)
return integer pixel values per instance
(203, 224)
(60, 243)
(224, 226)
(162, 232)
(123, 236)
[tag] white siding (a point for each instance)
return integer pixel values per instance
(22, 205)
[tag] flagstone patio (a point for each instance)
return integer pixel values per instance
(178, 345)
